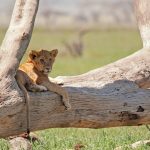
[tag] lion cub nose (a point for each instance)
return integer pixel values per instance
(48, 68)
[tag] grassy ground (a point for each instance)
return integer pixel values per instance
(101, 47)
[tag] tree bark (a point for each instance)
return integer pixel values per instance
(142, 9)
(110, 97)
(11, 51)
(114, 95)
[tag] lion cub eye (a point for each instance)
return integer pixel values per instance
(42, 61)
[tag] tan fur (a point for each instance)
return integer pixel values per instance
(33, 76)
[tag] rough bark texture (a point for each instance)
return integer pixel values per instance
(11, 51)
(110, 97)
(18, 36)
(114, 95)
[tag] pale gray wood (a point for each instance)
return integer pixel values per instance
(12, 49)
(18, 36)
(142, 8)
(106, 97)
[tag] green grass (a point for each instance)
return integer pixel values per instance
(101, 48)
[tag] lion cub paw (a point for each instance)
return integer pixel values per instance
(57, 81)
(42, 88)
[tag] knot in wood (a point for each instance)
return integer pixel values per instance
(140, 109)
(25, 36)
(125, 116)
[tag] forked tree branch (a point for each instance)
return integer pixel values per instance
(142, 8)
(105, 97)
(18, 36)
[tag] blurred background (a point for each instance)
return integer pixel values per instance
(64, 14)
(81, 30)
(89, 34)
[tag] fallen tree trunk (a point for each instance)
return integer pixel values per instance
(12, 50)
(105, 97)
(114, 95)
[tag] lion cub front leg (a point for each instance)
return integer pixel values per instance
(59, 90)
(36, 88)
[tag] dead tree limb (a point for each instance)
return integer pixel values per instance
(11, 51)
(114, 95)
(105, 97)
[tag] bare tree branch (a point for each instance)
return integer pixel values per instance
(142, 9)
(12, 49)
(18, 35)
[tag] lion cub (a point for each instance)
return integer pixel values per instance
(33, 76)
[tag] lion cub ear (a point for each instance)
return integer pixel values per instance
(33, 54)
(54, 52)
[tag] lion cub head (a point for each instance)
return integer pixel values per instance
(43, 60)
